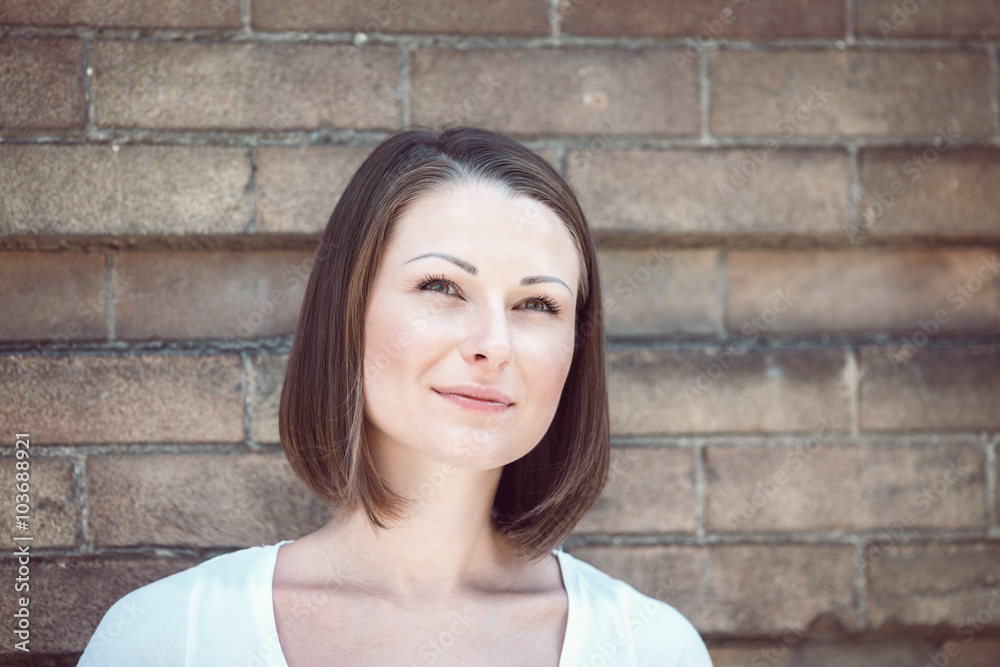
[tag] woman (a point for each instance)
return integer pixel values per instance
(446, 391)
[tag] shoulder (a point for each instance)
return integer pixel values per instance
(157, 623)
(149, 621)
(620, 624)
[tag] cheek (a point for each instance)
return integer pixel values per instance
(561, 362)
(547, 363)
(395, 342)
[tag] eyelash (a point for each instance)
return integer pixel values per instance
(428, 280)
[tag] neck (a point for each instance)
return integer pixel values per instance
(444, 545)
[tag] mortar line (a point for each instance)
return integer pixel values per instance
(721, 289)
(110, 553)
(853, 195)
(991, 481)
(994, 87)
(249, 384)
(858, 541)
(555, 23)
(79, 462)
(88, 90)
(703, 95)
(282, 344)
(735, 441)
(853, 382)
(849, 22)
(403, 87)
(778, 540)
(861, 582)
(251, 227)
(246, 19)
(463, 41)
(699, 490)
(144, 448)
(369, 138)
(559, 159)
(159, 347)
(110, 262)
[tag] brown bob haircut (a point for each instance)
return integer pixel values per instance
(542, 495)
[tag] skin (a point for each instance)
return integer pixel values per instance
(442, 585)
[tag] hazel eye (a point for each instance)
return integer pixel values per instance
(536, 304)
(541, 305)
(438, 284)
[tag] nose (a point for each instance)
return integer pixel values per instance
(489, 343)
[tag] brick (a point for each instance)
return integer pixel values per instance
(772, 654)
(906, 388)
(848, 93)
(130, 190)
(124, 13)
(958, 19)
(657, 291)
(927, 585)
(218, 14)
(234, 295)
(711, 587)
(792, 648)
(587, 91)
(905, 651)
(52, 296)
(82, 589)
(477, 17)
(297, 188)
(257, 85)
(715, 19)
(41, 84)
(716, 390)
(859, 292)
(650, 490)
(813, 486)
(981, 652)
(202, 500)
(931, 192)
(266, 381)
(130, 398)
(52, 517)
(678, 192)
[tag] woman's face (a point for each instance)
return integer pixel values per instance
(470, 327)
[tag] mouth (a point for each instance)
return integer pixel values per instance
(479, 399)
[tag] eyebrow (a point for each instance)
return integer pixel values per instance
(470, 269)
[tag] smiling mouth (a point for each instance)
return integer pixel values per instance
(476, 403)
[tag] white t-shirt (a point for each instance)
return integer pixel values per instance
(220, 613)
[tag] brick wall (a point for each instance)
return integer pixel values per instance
(798, 211)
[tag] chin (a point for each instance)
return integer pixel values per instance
(469, 449)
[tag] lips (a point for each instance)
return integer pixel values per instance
(476, 397)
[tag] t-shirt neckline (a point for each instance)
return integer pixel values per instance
(562, 558)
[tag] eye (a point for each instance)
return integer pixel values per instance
(541, 304)
(438, 284)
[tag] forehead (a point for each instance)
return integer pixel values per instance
(480, 222)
